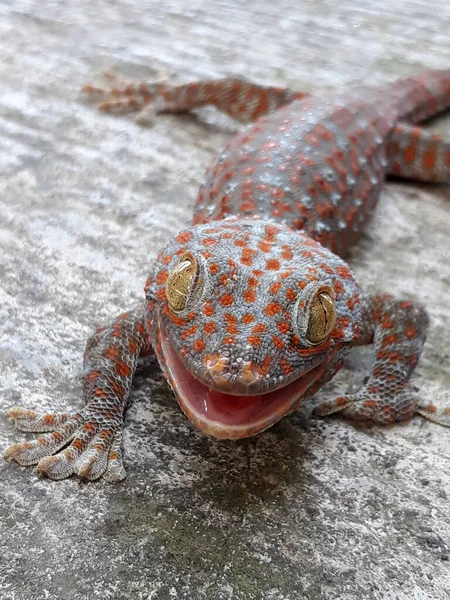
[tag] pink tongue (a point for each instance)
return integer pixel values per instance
(224, 408)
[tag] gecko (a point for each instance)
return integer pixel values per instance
(252, 309)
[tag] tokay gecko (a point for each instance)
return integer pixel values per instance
(252, 309)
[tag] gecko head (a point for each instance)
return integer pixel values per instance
(248, 318)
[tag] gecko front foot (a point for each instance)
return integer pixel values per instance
(122, 96)
(77, 443)
(371, 405)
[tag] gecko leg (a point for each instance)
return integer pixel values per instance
(397, 330)
(418, 154)
(88, 442)
(242, 100)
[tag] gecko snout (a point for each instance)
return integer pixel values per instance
(241, 375)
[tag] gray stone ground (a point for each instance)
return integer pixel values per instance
(323, 510)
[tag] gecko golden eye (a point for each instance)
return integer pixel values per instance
(322, 318)
(179, 283)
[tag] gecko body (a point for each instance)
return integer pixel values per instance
(252, 309)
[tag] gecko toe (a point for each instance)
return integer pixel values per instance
(93, 461)
(56, 467)
(115, 471)
(30, 453)
(30, 420)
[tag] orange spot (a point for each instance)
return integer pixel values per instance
(250, 295)
(429, 159)
(232, 324)
(286, 274)
(389, 339)
(338, 287)
(175, 319)
(263, 103)
(266, 365)
(259, 328)
(287, 252)
(122, 369)
(112, 353)
(209, 242)
(248, 318)
(247, 257)
(370, 403)
(148, 283)
(199, 345)
(287, 368)
(326, 268)
(254, 340)
(209, 328)
(227, 300)
(191, 331)
(404, 304)
(89, 377)
(271, 233)
(184, 237)
(272, 309)
(291, 295)
(264, 246)
(272, 264)
(214, 268)
(343, 272)
(278, 342)
(208, 309)
(410, 332)
(161, 278)
(275, 287)
(410, 154)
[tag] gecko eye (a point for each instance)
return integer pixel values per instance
(322, 317)
(179, 283)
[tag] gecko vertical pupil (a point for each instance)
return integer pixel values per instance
(322, 318)
(179, 283)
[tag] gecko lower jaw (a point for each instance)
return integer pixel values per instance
(230, 416)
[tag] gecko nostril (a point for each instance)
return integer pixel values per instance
(223, 372)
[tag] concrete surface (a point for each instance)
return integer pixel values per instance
(324, 510)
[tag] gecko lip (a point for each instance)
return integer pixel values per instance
(230, 416)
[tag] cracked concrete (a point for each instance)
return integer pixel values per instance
(303, 511)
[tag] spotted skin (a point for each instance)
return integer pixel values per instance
(417, 154)
(280, 206)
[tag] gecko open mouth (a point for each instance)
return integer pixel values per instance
(228, 416)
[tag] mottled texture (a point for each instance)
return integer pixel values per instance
(329, 511)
